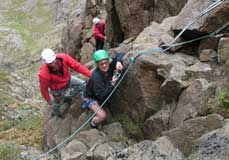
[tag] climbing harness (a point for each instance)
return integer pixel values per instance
(132, 60)
(87, 103)
(88, 119)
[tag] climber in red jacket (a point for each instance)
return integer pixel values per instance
(55, 78)
(99, 33)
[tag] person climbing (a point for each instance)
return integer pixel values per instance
(55, 78)
(101, 83)
(99, 33)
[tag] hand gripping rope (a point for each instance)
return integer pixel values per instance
(132, 60)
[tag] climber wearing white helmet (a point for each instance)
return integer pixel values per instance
(55, 78)
(96, 20)
(99, 33)
(48, 56)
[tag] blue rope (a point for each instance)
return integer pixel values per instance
(132, 60)
(212, 6)
(88, 119)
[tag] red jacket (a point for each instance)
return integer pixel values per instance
(99, 30)
(54, 81)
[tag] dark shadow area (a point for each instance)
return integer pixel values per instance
(118, 33)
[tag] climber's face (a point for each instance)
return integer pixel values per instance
(103, 65)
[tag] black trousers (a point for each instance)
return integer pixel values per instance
(99, 43)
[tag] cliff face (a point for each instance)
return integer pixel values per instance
(26, 27)
(178, 99)
(128, 18)
(124, 19)
(166, 95)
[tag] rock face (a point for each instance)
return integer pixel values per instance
(223, 56)
(149, 150)
(207, 23)
(214, 145)
(157, 123)
(165, 93)
(192, 102)
(185, 135)
(26, 28)
(72, 33)
(129, 18)
(72, 41)
(158, 78)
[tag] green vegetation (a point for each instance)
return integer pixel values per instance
(220, 103)
(5, 97)
(75, 2)
(7, 124)
(3, 34)
(28, 132)
(33, 25)
(30, 25)
(4, 76)
(18, 2)
(45, 14)
(87, 32)
(27, 72)
(223, 102)
(18, 23)
(132, 129)
(119, 138)
(8, 151)
(223, 98)
(26, 106)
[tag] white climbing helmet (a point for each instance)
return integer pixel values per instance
(48, 56)
(96, 20)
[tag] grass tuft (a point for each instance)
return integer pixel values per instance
(8, 151)
(132, 129)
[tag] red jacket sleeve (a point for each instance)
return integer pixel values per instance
(44, 89)
(76, 66)
(97, 32)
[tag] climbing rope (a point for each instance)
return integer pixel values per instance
(89, 118)
(199, 38)
(160, 50)
(132, 60)
(208, 9)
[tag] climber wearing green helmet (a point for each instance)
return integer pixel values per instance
(101, 83)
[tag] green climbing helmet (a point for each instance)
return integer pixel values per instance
(100, 55)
